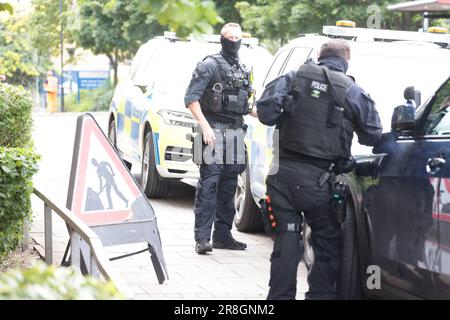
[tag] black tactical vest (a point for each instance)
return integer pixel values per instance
(229, 89)
(316, 122)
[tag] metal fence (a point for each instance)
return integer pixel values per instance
(96, 262)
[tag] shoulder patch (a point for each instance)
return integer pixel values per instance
(367, 96)
(200, 70)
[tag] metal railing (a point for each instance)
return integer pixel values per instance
(97, 263)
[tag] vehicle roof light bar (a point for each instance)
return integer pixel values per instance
(386, 34)
(215, 38)
(212, 38)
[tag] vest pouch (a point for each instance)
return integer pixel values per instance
(217, 97)
(237, 103)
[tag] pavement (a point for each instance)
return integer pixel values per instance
(220, 275)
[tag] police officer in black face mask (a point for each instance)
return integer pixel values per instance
(316, 110)
(218, 97)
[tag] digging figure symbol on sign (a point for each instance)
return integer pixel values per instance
(129, 218)
(105, 173)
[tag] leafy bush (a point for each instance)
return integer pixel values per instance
(90, 100)
(43, 282)
(17, 166)
(16, 120)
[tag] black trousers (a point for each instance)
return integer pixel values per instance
(214, 199)
(294, 190)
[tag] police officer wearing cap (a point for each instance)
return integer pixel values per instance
(218, 97)
(316, 109)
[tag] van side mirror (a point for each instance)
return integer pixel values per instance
(403, 118)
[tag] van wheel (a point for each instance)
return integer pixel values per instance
(349, 282)
(308, 254)
(112, 136)
(248, 217)
(153, 185)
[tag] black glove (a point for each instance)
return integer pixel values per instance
(345, 165)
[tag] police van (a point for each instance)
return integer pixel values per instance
(397, 226)
(148, 121)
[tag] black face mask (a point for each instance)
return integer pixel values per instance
(229, 47)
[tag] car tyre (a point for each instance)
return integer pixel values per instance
(248, 216)
(349, 282)
(112, 136)
(151, 182)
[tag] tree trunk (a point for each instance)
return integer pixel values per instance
(113, 60)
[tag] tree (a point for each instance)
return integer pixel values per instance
(229, 13)
(115, 28)
(17, 55)
(44, 26)
(5, 6)
(184, 16)
(285, 19)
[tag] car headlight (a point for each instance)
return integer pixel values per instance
(176, 118)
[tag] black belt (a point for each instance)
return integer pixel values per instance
(225, 126)
(298, 157)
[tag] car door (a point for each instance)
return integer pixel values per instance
(437, 130)
(403, 206)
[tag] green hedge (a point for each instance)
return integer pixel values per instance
(16, 120)
(17, 166)
(43, 282)
(18, 163)
(90, 100)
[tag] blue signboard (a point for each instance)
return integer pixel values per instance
(90, 80)
(84, 80)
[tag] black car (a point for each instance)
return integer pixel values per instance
(397, 231)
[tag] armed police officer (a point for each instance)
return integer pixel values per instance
(316, 110)
(218, 97)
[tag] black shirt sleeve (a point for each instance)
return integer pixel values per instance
(200, 79)
(367, 121)
(270, 105)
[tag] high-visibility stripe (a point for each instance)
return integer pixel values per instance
(156, 149)
(120, 122)
(127, 126)
(134, 131)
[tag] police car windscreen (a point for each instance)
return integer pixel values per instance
(178, 62)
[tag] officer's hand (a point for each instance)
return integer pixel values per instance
(208, 134)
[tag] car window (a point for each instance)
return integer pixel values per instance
(145, 66)
(276, 66)
(135, 63)
(438, 121)
(296, 59)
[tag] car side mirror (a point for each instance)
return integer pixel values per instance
(411, 94)
(403, 118)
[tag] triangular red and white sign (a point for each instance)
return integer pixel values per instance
(103, 189)
(104, 195)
